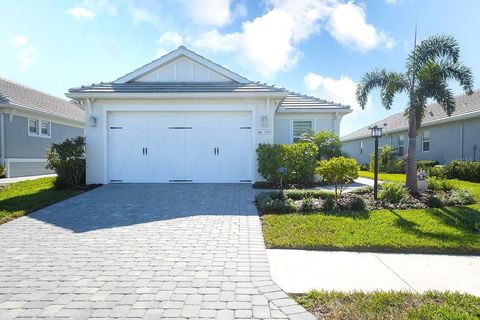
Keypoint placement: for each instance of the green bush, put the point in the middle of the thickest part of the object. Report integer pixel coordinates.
(439, 184)
(298, 194)
(274, 202)
(426, 164)
(307, 204)
(354, 203)
(328, 143)
(392, 193)
(434, 201)
(338, 171)
(2, 171)
(463, 170)
(388, 161)
(67, 159)
(298, 158)
(459, 197)
(437, 172)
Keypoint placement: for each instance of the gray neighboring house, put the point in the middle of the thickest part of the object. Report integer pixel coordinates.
(30, 121)
(441, 138)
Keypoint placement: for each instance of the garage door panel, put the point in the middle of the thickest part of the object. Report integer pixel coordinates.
(236, 155)
(163, 162)
(200, 159)
(126, 148)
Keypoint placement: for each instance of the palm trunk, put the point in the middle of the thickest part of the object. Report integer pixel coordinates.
(411, 182)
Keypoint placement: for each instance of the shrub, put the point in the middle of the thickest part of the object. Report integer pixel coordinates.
(2, 171)
(67, 159)
(392, 193)
(463, 170)
(388, 161)
(437, 171)
(365, 167)
(307, 204)
(354, 203)
(459, 197)
(328, 143)
(296, 194)
(439, 184)
(426, 164)
(274, 202)
(298, 158)
(338, 171)
(433, 201)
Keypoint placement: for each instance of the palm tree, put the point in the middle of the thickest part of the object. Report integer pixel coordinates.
(429, 67)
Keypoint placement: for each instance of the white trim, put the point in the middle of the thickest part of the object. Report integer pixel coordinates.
(175, 95)
(39, 133)
(423, 141)
(181, 51)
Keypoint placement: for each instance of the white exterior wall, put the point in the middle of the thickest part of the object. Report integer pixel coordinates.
(321, 122)
(96, 137)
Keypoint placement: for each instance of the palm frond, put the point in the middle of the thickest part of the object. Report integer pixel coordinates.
(431, 49)
(457, 71)
(389, 83)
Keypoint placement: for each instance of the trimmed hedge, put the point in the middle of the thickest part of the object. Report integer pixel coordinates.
(426, 164)
(299, 159)
(463, 170)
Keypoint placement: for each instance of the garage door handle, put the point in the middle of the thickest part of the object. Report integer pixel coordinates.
(146, 151)
(143, 151)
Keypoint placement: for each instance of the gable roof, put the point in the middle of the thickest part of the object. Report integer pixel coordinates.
(296, 102)
(179, 52)
(466, 106)
(15, 94)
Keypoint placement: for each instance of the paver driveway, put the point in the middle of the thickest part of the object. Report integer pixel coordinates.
(142, 251)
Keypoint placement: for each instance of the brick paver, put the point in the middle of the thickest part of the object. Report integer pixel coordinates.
(151, 251)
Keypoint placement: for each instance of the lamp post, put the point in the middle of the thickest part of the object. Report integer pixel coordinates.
(376, 133)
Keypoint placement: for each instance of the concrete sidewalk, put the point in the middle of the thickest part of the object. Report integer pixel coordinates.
(297, 271)
(7, 181)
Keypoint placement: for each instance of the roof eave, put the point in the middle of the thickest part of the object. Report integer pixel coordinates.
(42, 112)
(173, 95)
(315, 110)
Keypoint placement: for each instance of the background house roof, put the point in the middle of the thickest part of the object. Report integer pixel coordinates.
(12, 93)
(296, 102)
(464, 105)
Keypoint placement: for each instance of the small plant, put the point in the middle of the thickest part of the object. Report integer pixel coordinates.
(354, 203)
(434, 201)
(328, 143)
(439, 184)
(338, 171)
(426, 164)
(388, 161)
(2, 171)
(392, 193)
(459, 197)
(422, 175)
(437, 172)
(67, 159)
(307, 205)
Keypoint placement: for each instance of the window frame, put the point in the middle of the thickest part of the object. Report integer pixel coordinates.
(292, 128)
(401, 145)
(361, 146)
(40, 123)
(427, 141)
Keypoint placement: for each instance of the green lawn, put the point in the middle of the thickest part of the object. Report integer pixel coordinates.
(21, 198)
(393, 177)
(440, 230)
(390, 305)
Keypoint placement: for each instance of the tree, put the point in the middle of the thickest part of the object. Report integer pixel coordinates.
(328, 143)
(338, 171)
(429, 67)
(67, 159)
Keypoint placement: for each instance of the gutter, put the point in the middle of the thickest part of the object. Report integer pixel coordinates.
(41, 111)
(171, 95)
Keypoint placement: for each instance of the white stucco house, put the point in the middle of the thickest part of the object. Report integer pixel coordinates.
(184, 118)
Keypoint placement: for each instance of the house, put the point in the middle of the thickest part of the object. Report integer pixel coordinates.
(30, 121)
(184, 118)
(441, 138)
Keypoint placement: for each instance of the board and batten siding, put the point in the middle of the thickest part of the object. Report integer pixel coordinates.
(321, 122)
(448, 141)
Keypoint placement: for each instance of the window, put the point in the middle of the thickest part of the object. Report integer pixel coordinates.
(33, 126)
(299, 127)
(39, 128)
(361, 147)
(401, 145)
(425, 141)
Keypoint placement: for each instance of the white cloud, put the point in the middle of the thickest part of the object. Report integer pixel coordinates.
(392, 2)
(209, 12)
(28, 52)
(270, 43)
(349, 26)
(79, 12)
(168, 41)
(19, 41)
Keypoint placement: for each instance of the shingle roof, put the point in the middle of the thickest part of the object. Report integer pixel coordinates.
(464, 105)
(17, 94)
(176, 87)
(298, 102)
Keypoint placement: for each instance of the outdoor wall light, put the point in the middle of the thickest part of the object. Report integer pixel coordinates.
(93, 121)
(264, 121)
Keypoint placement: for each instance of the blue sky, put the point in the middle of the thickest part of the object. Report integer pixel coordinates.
(318, 47)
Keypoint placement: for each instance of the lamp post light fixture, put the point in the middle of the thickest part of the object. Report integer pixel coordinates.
(376, 133)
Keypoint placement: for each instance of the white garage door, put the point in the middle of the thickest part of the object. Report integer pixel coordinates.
(180, 147)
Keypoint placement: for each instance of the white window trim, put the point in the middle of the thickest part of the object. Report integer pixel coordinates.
(39, 133)
(402, 146)
(291, 127)
(361, 146)
(423, 137)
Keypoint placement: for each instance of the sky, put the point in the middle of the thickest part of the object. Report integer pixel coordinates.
(314, 47)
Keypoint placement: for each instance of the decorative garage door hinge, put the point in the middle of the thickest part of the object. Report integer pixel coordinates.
(115, 127)
(245, 127)
(245, 180)
(179, 128)
(180, 180)
(116, 180)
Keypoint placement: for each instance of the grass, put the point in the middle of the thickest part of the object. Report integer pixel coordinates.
(393, 177)
(440, 230)
(390, 305)
(21, 198)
